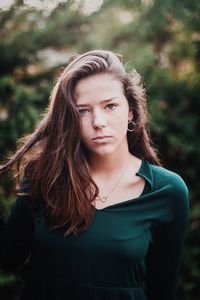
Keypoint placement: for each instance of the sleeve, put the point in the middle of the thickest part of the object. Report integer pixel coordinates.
(164, 255)
(16, 234)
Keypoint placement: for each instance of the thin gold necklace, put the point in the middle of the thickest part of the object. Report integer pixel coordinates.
(105, 198)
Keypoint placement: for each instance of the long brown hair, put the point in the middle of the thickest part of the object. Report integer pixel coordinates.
(53, 159)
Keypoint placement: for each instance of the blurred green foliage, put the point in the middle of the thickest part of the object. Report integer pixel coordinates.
(161, 39)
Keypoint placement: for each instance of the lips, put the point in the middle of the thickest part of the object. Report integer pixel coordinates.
(101, 137)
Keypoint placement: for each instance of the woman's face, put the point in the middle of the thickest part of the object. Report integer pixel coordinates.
(104, 114)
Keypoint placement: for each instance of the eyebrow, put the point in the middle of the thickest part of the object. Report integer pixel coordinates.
(102, 102)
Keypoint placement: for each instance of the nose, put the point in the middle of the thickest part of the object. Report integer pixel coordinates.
(98, 120)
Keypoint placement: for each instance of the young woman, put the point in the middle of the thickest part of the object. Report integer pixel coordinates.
(97, 215)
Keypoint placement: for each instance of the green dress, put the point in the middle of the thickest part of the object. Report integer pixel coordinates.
(131, 251)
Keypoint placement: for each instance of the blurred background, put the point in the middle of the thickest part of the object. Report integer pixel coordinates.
(161, 39)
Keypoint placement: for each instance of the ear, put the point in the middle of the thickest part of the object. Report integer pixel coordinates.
(130, 115)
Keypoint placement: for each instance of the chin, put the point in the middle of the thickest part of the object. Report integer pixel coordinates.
(103, 152)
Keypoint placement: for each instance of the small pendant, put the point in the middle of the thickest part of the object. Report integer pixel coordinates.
(102, 199)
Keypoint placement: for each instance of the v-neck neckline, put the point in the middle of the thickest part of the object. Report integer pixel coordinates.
(145, 172)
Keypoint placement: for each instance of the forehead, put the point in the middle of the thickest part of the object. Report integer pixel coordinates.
(98, 87)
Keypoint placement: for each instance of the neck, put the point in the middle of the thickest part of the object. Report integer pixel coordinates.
(109, 163)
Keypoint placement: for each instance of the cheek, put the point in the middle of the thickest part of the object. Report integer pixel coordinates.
(121, 122)
(84, 129)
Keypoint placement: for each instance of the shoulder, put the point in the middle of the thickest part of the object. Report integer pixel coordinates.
(171, 187)
(26, 202)
(165, 178)
(24, 198)
(173, 190)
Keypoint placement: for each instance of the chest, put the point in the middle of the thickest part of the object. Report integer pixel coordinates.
(113, 238)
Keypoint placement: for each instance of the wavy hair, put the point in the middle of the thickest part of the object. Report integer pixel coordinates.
(53, 159)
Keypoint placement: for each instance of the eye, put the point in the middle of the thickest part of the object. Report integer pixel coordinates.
(83, 111)
(111, 106)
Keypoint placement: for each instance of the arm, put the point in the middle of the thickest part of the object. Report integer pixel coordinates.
(17, 234)
(163, 260)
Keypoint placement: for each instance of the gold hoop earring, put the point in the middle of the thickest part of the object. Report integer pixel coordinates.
(131, 126)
